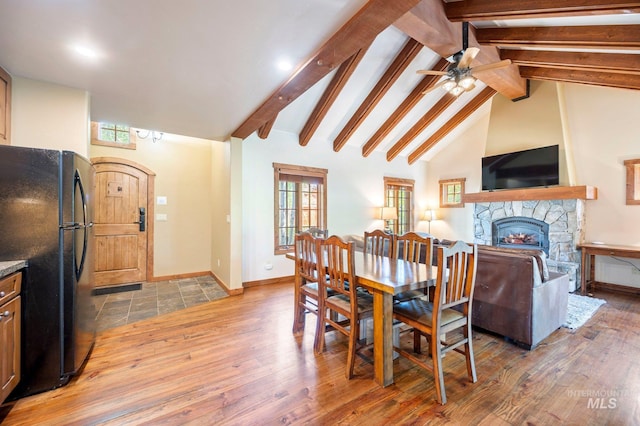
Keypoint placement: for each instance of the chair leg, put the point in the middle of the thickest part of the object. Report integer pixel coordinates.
(438, 374)
(468, 353)
(298, 310)
(417, 341)
(318, 343)
(353, 340)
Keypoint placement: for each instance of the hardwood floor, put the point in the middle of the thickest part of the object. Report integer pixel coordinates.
(235, 361)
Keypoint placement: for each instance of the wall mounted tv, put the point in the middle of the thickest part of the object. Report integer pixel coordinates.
(521, 169)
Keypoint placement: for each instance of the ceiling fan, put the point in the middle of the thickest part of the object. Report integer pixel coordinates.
(461, 77)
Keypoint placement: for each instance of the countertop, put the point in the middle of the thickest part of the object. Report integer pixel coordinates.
(11, 266)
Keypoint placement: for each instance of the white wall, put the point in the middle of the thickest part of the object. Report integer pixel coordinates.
(45, 115)
(355, 189)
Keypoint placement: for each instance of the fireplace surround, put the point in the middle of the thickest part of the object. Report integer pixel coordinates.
(563, 221)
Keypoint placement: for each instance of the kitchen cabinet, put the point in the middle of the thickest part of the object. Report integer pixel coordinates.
(5, 107)
(10, 314)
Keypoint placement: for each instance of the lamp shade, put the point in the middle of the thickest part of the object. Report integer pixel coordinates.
(388, 213)
(429, 215)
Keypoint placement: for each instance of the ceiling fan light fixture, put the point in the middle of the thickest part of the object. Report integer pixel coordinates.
(449, 85)
(457, 91)
(467, 82)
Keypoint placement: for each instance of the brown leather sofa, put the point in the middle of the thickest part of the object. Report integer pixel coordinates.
(516, 296)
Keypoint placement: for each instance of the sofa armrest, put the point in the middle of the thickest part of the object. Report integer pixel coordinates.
(549, 306)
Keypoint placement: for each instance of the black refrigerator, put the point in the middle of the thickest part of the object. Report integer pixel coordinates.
(46, 218)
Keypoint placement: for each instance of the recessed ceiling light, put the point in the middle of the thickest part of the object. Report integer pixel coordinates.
(284, 65)
(86, 52)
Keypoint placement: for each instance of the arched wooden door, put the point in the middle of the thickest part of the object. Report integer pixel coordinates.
(123, 222)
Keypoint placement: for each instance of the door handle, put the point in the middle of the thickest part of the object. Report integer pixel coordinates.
(142, 221)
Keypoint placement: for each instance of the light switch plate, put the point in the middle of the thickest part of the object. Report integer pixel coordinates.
(162, 201)
(161, 217)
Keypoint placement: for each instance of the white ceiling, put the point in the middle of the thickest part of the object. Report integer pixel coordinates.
(201, 67)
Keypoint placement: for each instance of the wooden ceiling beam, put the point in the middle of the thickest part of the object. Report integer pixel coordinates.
(593, 37)
(329, 96)
(265, 129)
(397, 67)
(405, 107)
(482, 10)
(486, 94)
(623, 81)
(428, 23)
(425, 121)
(374, 17)
(586, 61)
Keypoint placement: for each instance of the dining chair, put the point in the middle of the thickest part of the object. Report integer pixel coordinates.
(379, 242)
(449, 311)
(306, 279)
(414, 248)
(337, 259)
(317, 232)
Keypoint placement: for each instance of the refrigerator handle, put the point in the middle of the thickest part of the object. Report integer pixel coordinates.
(80, 187)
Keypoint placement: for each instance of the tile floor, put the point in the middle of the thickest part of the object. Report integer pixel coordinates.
(153, 299)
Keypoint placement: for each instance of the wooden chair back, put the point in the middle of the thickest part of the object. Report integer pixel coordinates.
(338, 262)
(305, 253)
(410, 246)
(379, 243)
(456, 278)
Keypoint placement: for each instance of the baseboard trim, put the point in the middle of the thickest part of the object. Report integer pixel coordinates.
(270, 281)
(225, 287)
(617, 288)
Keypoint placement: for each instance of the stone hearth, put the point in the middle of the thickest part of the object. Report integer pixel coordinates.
(566, 223)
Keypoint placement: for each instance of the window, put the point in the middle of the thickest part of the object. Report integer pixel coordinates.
(399, 194)
(300, 202)
(114, 135)
(451, 191)
(633, 181)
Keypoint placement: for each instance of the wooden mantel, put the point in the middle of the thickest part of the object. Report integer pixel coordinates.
(553, 193)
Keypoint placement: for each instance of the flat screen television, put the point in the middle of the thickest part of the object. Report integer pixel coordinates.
(521, 169)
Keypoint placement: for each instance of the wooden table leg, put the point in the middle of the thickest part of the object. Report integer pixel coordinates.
(383, 338)
(583, 272)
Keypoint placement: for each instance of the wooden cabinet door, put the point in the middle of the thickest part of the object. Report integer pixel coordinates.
(9, 346)
(120, 242)
(5, 107)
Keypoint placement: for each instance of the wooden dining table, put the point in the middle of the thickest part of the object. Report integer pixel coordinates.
(385, 277)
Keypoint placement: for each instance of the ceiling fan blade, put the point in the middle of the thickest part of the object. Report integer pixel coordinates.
(431, 72)
(492, 66)
(435, 86)
(468, 56)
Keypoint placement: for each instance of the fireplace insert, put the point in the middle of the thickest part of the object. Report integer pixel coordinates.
(520, 232)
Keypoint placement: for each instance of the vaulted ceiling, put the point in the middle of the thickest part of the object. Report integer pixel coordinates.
(586, 42)
(204, 68)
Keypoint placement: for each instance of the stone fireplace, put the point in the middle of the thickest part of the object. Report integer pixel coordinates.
(555, 226)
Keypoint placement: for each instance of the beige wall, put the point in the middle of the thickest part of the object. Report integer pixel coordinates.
(45, 115)
(183, 167)
(534, 122)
